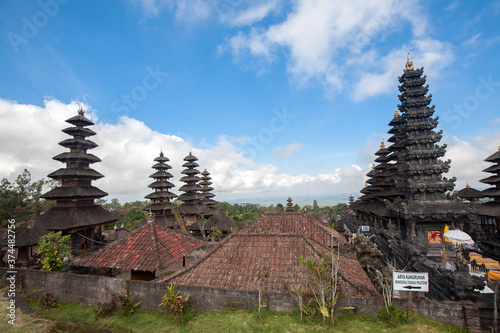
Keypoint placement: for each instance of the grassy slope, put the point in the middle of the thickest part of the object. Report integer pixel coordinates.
(234, 321)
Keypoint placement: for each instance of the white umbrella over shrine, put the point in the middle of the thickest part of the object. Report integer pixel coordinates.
(458, 236)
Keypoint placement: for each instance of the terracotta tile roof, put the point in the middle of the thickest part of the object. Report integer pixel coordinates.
(239, 260)
(296, 223)
(148, 248)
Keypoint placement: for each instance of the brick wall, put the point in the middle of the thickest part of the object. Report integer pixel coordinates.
(90, 290)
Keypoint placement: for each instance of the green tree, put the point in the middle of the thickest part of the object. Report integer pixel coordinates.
(115, 203)
(296, 208)
(21, 199)
(101, 202)
(315, 207)
(132, 217)
(52, 249)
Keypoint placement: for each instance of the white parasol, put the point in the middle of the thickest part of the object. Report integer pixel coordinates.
(457, 236)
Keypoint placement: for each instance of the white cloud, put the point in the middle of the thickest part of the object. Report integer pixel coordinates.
(152, 8)
(127, 149)
(257, 11)
(284, 152)
(472, 41)
(429, 53)
(323, 40)
(192, 10)
(453, 5)
(468, 158)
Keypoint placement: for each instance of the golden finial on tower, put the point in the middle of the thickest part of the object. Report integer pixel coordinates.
(81, 111)
(409, 63)
(396, 113)
(382, 144)
(467, 185)
(373, 166)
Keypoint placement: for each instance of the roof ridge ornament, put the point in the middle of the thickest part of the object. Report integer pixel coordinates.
(81, 111)
(409, 63)
(382, 144)
(150, 217)
(396, 113)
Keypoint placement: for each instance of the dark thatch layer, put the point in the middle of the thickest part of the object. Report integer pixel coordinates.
(74, 193)
(68, 218)
(77, 173)
(491, 208)
(470, 193)
(26, 237)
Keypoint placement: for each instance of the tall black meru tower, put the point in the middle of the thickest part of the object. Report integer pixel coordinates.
(161, 196)
(426, 207)
(76, 213)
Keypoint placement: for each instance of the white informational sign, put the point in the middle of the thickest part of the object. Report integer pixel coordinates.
(365, 228)
(410, 281)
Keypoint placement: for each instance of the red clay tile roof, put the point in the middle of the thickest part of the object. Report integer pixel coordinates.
(239, 260)
(148, 248)
(296, 223)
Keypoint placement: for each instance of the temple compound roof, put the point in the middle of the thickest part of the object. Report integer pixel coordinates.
(274, 243)
(150, 248)
(218, 220)
(469, 193)
(27, 234)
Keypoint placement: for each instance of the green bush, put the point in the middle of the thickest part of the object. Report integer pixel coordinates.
(127, 305)
(106, 309)
(395, 315)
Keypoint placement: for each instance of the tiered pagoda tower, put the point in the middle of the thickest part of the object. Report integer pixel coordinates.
(75, 212)
(422, 169)
(206, 190)
(426, 208)
(161, 194)
(394, 163)
(489, 212)
(191, 208)
(289, 205)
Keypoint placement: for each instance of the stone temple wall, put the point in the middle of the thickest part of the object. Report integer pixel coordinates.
(91, 290)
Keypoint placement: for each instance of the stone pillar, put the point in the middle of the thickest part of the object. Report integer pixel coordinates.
(77, 244)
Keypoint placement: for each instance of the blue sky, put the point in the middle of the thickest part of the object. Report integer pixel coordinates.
(275, 98)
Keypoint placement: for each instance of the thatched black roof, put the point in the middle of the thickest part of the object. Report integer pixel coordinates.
(26, 237)
(75, 172)
(469, 193)
(78, 131)
(491, 192)
(78, 143)
(492, 180)
(81, 192)
(495, 168)
(191, 209)
(161, 195)
(218, 220)
(494, 158)
(77, 157)
(80, 120)
(491, 208)
(69, 218)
